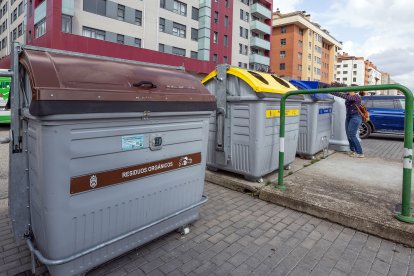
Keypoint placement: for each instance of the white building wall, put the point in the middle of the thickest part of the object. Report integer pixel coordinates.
(237, 58)
(148, 32)
(7, 35)
(350, 72)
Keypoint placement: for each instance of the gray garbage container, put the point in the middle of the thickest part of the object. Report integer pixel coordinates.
(115, 151)
(244, 132)
(315, 127)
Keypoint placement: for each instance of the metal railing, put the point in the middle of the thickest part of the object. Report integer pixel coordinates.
(405, 214)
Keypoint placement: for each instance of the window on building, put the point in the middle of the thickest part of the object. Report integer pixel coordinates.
(283, 30)
(240, 65)
(300, 43)
(240, 49)
(20, 30)
(344, 72)
(354, 72)
(138, 17)
(194, 55)
(225, 59)
(66, 24)
(300, 31)
(283, 41)
(20, 9)
(215, 58)
(178, 51)
(95, 6)
(162, 24)
(162, 4)
(309, 57)
(121, 12)
(246, 50)
(300, 56)
(161, 48)
(345, 65)
(93, 33)
(14, 15)
(300, 67)
(194, 34)
(120, 39)
(194, 13)
(338, 66)
(244, 15)
(282, 54)
(40, 28)
(216, 17)
(138, 42)
(14, 36)
(344, 79)
(215, 37)
(226, 41)
(179, 30)
(226, 21)
(180, 8)
(355, 66)
(4, 43)
(338, 72)
(354, 79)
(282, 66)
(227, 3)
(244, 32)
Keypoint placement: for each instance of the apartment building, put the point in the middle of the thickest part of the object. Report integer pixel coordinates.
(196, 34)
(12, 24)
(251, 34)
(302, 49)
(357, 70)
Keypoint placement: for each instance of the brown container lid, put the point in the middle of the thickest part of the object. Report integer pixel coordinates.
(72, 84)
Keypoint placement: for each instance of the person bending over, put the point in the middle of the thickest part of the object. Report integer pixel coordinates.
(352, 122)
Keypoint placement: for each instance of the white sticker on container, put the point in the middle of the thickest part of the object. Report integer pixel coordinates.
(282, 144)
(407, 163)
(132, 142)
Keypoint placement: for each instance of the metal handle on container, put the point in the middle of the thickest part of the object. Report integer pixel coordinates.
(47, 261)
(144, 83)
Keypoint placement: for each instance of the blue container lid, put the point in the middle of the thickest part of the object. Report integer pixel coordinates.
(309, 85)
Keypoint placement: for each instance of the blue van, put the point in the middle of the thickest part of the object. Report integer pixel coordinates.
(386, 115)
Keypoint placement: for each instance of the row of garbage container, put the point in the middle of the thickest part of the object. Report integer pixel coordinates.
(244, 132)
(107, 154)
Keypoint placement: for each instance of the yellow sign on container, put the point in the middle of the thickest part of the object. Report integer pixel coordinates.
(271, 113)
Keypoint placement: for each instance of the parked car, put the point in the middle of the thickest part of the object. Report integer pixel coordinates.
(386, 115)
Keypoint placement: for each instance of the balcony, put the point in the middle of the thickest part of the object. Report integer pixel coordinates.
(40, 12)
(256, 58)
(256, 25)
(260, 11)
(68, 7)
(257, 42)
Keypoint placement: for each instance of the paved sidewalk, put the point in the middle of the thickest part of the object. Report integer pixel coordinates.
(388, 147)
(241, 235)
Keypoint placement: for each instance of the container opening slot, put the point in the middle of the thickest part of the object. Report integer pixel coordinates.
(259, 77)
(281, 81)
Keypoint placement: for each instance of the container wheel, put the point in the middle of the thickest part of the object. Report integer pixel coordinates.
(365, 130)
(184, 230)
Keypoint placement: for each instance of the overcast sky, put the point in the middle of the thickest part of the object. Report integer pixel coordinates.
(379, 30)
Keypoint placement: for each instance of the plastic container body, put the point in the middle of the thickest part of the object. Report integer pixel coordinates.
(247, 140)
